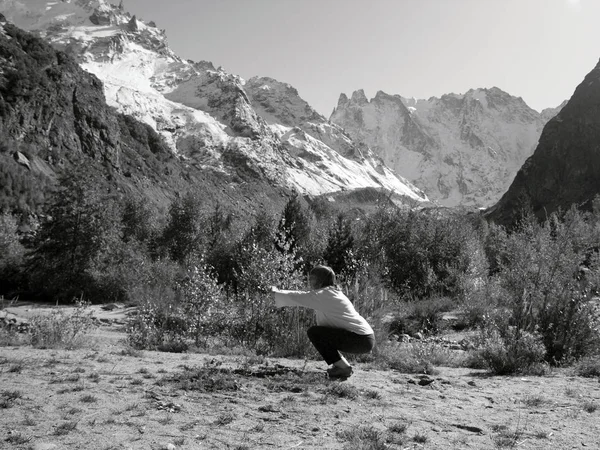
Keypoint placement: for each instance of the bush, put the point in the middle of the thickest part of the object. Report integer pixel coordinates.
(12, 254)
(589, 367)
(182, 235)
(420, 254)
(203, 304)
(255, 322)
(416, 357)
(60, 329)
(339, 252)
(507, 351)
(158, 327)
(544, 292)
(479, 303)
(159, 322)
(424, 316)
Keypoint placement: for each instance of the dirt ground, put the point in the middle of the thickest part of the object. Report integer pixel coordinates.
(104, 396)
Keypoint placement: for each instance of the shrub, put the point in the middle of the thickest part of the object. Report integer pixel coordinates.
(11, 254)
(589, 367)
(424, 254)
(182, 235)
(138, 220)
(118, 272)
(479, 303)
(157, 282)
(415, 357)
(203, 304)
(255, 322)
(506, 350)
(10, 338)
(157, 326)
(294, 225)
(424, 316)
(60, 329)
(544, 294)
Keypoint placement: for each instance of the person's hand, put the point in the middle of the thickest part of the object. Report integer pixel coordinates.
(273, 291)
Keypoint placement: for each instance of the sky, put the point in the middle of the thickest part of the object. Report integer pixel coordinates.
(539, 50)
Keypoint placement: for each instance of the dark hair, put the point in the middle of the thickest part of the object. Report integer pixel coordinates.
(324, 275)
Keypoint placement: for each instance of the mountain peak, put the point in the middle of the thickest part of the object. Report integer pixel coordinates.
(258, 129)
(460, 148)
(272, 83)
(342, 100)
(383, 96)
(359, 97)
(279, 102)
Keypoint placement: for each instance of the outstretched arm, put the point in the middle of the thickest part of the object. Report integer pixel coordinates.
(306, 299)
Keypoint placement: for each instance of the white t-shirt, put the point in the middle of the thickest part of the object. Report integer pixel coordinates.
(333, 308)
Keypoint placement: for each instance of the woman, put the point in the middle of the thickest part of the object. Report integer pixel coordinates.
(339, 327)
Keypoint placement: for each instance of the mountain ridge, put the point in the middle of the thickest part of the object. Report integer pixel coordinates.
(462, 149)
(204, 114)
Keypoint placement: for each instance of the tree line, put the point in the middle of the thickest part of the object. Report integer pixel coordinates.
(199, 273)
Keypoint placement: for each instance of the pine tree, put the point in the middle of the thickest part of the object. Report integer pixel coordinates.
(340, 245)
(182, 235)
(294, 225)
(137, 220)
(11, 253)
(79, 226)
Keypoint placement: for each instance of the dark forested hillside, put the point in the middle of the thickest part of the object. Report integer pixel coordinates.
(53, 117)
(564, 170)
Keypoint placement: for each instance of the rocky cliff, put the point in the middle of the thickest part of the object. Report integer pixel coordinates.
(564, 170)
(208, 117)
(460, 149)
(54, 116)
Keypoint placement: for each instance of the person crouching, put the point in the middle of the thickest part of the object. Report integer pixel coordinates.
(340, 328)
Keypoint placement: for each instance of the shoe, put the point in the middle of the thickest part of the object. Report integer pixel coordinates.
(339, 372)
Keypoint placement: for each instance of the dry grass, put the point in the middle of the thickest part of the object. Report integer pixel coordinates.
(202, 400)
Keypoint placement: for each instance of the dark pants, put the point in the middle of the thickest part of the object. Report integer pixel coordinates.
(329, 342)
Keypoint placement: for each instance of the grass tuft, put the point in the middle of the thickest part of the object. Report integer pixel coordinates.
(16, 368)
(342, 390)
(88, 398)
(17, 438)
(398, 428)
(590, 407)
(8, 398)
(372, 394)
(94, 377)
(225, 419)
(420, 438)
(367, 438)
(65, 428)
(533, 401)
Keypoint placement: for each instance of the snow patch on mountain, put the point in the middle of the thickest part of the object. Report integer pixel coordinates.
(208, 117)
(462, 149)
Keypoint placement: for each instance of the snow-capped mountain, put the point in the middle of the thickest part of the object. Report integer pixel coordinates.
(210, 117)
(460, 149)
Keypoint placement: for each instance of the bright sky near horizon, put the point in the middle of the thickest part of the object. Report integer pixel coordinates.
(539, 50)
